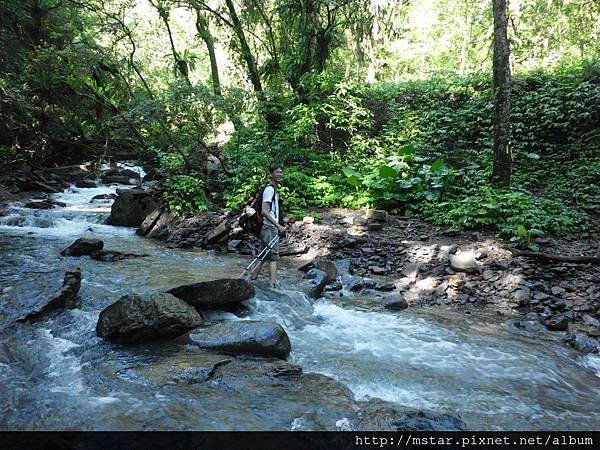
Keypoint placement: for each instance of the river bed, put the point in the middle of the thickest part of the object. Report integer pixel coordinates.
(57, 375)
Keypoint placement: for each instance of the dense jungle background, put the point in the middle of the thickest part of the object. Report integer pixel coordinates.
(386, 104)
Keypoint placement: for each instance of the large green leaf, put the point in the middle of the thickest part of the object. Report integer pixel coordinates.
(437, 165)
(387, 172)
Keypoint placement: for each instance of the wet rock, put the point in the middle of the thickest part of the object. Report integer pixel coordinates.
(45, 204)
(315, 282)
(344, 266)
(103, 197)
(395, 302)
(376, 270)
(290, 398)
(116, 170)
(581, 343)
(531, 326)
(131, 207)
(327, 266)
(117, 179)
(36, 302)
(162, 227)
(149, 222)
(557, 323)
(380, 415)
(233, 245)
(385, 287)
(137, 318)
(464, 262)
(215, 293)
(245, 337)
(85, 184)
(592, 321)
(83, 246)
(112, 256)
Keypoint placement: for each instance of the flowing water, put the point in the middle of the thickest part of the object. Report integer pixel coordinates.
(57, 375)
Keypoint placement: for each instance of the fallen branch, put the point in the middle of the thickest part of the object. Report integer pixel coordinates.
(550, 257)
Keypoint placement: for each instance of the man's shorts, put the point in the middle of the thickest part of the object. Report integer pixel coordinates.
(267, 233)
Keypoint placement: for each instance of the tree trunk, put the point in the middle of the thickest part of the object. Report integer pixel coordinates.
(502, 169)
(247, 55)
(204, 33)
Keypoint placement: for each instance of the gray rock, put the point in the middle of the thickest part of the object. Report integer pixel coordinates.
(215, 293)
(557, 323)
(112, 256)
(219, 234)
(589, 320)
(103, 197)
(162, 227)
(360, 221)
(557, 290)
(378, 215)
(464, 262)
(380, 415)
(149, 222)
(327, 266)
(488, 274)
(85, 184)
(395, 302)
(344, 266)
(582, 343)
(245, 337)
(83, 246)
(137, 318)
(30, 302)
(522, 296)
(481, 252)
(411, 270)
(45, 204)
(315, 282)
(131, 207)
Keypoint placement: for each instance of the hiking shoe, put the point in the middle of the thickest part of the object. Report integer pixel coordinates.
(276, 285)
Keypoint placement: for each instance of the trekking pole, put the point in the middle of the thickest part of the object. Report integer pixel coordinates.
(260, 257)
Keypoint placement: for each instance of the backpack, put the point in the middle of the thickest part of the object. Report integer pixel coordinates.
(252, 221)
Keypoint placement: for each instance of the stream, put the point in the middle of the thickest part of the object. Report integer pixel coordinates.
(56, 374)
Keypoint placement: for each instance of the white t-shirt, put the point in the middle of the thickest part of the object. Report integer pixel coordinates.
(271, 196)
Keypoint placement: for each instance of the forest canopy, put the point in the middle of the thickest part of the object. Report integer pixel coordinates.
(382, 103)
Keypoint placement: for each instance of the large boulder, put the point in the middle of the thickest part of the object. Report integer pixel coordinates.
(245, 337)
(139, 318)
(131, 207)
(215, 294)
(36, 298)
(83, 246)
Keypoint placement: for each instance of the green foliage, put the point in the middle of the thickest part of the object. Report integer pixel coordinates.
(185, 193)
(515, 213)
